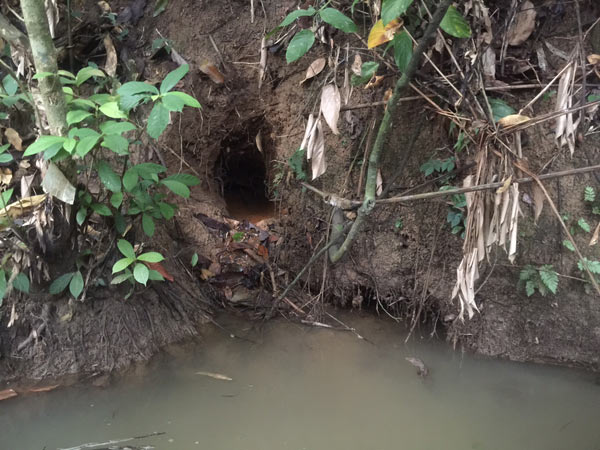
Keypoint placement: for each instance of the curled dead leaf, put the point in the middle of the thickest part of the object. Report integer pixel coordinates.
(209, 69)
(379, 183)
(319, 165)
(205, 274)
(13, 137)
(331, 102)
(6, 176)
(538, 202)
(374, 82)
(111, 56)
(104, 6)
(22, 206)
(381, 34)
(513, 120)
(160, 269)
(357, 65)
(315, 68)
(593, 58)
(523, 25)
(504, 186)
(595, 236)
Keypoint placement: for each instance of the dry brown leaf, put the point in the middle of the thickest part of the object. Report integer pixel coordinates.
(258, 140)
(594, 239)
(374, 82)
(489, 63)
(7, 393)
(379, 183)
(262, 68)
(593, 59)
(565, 124)
(357, 65)
(6, 176)
(387, 95)
(310, 129)
(538, 201)
(208, 68)
(205, 274)
(104, 6)
(331, 102)
(319, 165)
(512, 120)
(110, 67)
(315, 68)
(523, 25)
(13, 137)
(22, 206)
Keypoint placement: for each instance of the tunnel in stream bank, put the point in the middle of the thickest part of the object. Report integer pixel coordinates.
(241, 172)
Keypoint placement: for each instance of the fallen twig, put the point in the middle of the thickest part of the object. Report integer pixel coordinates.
(112, 442)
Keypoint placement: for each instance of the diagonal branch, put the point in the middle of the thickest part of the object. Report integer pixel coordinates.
(384, 130)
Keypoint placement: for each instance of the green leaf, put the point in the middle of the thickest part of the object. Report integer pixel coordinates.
(392, 9)
(82, 103)
(593, 266)
(76, 284)
(116, 143)
(455, 24)
(81, 216)
(10, 85)
(159, 7)
(173, 78)
(5, 157)
(158, 120)
(148, 171)
(130, 180)
(114, 127)
(121, 278)
(86, 144)
(173, 103)
(367, 70)
(299, 45)
(21, 283)
(40, 75)
(61, 283)
(122, 264)
(177, 187)
(338, 20)
(527, 273)
(126, 248)
(5, 197)
(140, 273)
(187, 179)
(155, 276)
(589, 194)
(238, 236)
(530, 288)
(291, 17)
(147, 225)
(101, 209)
(403, 50)
(77, 116)
(111, 109)
(166, 210)
(584, 225)
(86, 73)
(69, 145)
(116, 199)
(194, 259)
(111, 180)
(188, 100)
(568, 244)
(43, 143)
(500, 108)
(296, 163)
(136, 88)
(151, 257)
(549, 277)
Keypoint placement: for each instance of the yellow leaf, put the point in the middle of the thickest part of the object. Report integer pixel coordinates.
(505, 186)
(22, 206)
(381, 34)
(512, 120)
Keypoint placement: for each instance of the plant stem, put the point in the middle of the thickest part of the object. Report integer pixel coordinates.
(385, 128)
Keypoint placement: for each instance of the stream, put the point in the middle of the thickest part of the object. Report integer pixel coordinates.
(306, 388)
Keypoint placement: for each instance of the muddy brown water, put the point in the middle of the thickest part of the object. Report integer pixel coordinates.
(297, 387)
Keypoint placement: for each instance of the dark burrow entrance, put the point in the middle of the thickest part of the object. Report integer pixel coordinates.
(241, 173)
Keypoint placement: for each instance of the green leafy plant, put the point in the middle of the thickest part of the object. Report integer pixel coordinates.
(140, 273)
(296, 163)
(592, 200)
(438, 166)
(543, 279)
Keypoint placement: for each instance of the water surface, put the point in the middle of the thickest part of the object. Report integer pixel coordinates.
(297, 387)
